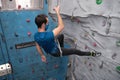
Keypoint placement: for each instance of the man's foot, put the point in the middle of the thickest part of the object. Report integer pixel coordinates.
(95, 53)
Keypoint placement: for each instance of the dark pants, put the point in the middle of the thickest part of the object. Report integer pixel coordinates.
(69, 51)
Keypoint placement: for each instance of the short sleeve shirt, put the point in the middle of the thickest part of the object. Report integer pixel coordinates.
(46, 41)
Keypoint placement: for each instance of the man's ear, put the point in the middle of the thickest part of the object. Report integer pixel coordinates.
(43, 25)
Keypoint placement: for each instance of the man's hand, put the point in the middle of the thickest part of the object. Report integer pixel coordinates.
(57, 9)
(43, 58)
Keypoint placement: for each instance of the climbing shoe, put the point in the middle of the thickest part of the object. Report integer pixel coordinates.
(95, 53)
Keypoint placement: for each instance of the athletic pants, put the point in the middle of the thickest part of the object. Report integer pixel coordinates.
(69, 51)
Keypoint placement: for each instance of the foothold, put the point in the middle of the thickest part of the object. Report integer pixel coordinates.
(118, 43)
(86, 47)
(29, 33)
(104, 23)
(93, 34)
(56, 66)
(69, 64)
(33, 70)
(98, 2)
(101, 65)
(94, 44)
(11, 47)
(90, 64)
(16, 35)
(114, 56)
(118, 68)
(21, 60)
(26, 5)
(19, 6)
(86, 34)
(91, 69)
(28, 20)
(78, 21)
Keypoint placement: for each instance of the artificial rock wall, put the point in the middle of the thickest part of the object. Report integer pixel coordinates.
(92, 25)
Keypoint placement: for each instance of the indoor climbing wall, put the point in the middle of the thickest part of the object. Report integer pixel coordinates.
(17, 46)
(92, 25)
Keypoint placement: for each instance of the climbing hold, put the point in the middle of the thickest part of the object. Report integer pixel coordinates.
(33, 70)
(93, 34)
(11, 47)
(91, 69)
(90, 64)
(19, 6)
(86, 34)
(118, 68)
(101, 65)
(98, 2)
(118, 43)
(16, 35)
(94, 44)
(56, 66)
(20, 60)
(86, 47)
(114, 56)
(28, 20)
(29, 33)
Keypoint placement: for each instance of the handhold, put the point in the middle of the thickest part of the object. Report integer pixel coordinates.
(118, 68)
(101, 65)
(86, 47)
(93, 34)
(19, 6)
(98, 2)
(118, 43)
(114, 56)
(21, 60)
(91, 69)
(28, 20)
(94, 44)
(29, 33)
(11, 47)
(16, 35)
(56, 66)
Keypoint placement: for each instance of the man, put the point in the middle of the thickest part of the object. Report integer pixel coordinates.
(46, 40)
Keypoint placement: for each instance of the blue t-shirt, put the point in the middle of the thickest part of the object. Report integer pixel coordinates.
(46, 40)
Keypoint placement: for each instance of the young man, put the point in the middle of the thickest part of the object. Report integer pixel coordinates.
(46, 40)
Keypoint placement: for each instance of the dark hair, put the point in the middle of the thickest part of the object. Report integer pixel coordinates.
(40, 19)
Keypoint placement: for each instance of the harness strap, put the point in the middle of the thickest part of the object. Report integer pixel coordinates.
(59, 47)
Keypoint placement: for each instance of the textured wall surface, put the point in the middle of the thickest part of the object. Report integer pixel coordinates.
(17, 47)
(92, 25)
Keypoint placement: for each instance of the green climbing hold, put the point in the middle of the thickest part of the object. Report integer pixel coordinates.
(118, 43)
(118, 68)
(98, 2)
(93, 34)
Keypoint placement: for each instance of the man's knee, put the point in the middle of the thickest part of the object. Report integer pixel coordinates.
(61, 36)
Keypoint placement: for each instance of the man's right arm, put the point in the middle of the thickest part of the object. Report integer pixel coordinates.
(60, 26)
(40, 52)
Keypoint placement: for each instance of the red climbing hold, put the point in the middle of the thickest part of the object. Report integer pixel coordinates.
(28, 20)
(94, 44)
